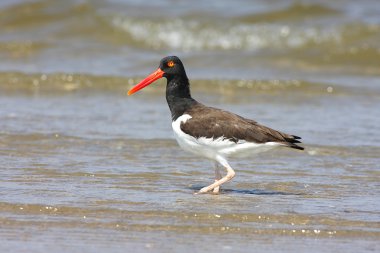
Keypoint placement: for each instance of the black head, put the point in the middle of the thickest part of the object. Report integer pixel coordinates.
(177, 88)
(172, 66)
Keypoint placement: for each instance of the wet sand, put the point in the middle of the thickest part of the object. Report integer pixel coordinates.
(86, 171)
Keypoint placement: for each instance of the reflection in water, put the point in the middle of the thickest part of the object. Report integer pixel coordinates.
(245, 191)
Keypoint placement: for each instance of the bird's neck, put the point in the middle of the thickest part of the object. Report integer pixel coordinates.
(178, 95)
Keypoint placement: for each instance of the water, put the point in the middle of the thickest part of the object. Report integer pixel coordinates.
(84, 168)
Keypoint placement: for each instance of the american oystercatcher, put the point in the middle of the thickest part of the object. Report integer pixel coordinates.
(209, 132)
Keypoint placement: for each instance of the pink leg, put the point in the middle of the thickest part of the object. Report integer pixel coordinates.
(218, 176)
(218, 183)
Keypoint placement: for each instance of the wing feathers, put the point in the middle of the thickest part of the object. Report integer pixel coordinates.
(214, 123)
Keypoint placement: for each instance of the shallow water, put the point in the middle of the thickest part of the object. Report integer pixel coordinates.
(84, 168)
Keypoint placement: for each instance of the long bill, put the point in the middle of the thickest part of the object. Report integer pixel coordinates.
(148, 80)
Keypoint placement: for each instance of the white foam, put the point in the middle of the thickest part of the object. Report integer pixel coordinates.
(195, 35)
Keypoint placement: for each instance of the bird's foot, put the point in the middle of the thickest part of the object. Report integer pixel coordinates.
(203, 190)
(216, 190)
(207, 189)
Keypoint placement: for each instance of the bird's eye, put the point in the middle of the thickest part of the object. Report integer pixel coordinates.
(171, 64)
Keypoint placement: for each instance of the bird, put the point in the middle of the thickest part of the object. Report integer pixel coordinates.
(212, 133)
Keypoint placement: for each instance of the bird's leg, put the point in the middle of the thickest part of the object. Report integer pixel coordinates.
(218, 176)
(228, 177)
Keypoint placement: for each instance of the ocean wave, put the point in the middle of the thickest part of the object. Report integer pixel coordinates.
(311, 36)
(193, 34)
(291, 27)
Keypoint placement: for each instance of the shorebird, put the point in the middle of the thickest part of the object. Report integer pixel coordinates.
(210, 132)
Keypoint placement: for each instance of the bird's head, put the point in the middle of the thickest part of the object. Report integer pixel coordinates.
(170, 67)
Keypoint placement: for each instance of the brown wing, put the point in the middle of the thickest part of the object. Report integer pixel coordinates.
(214, 123)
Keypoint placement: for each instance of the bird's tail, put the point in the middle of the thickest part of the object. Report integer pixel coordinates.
(291, 141)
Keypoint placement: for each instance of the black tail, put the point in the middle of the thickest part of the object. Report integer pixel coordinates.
(291, 142)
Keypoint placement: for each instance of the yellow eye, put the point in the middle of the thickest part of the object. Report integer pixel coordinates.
(171, 64)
